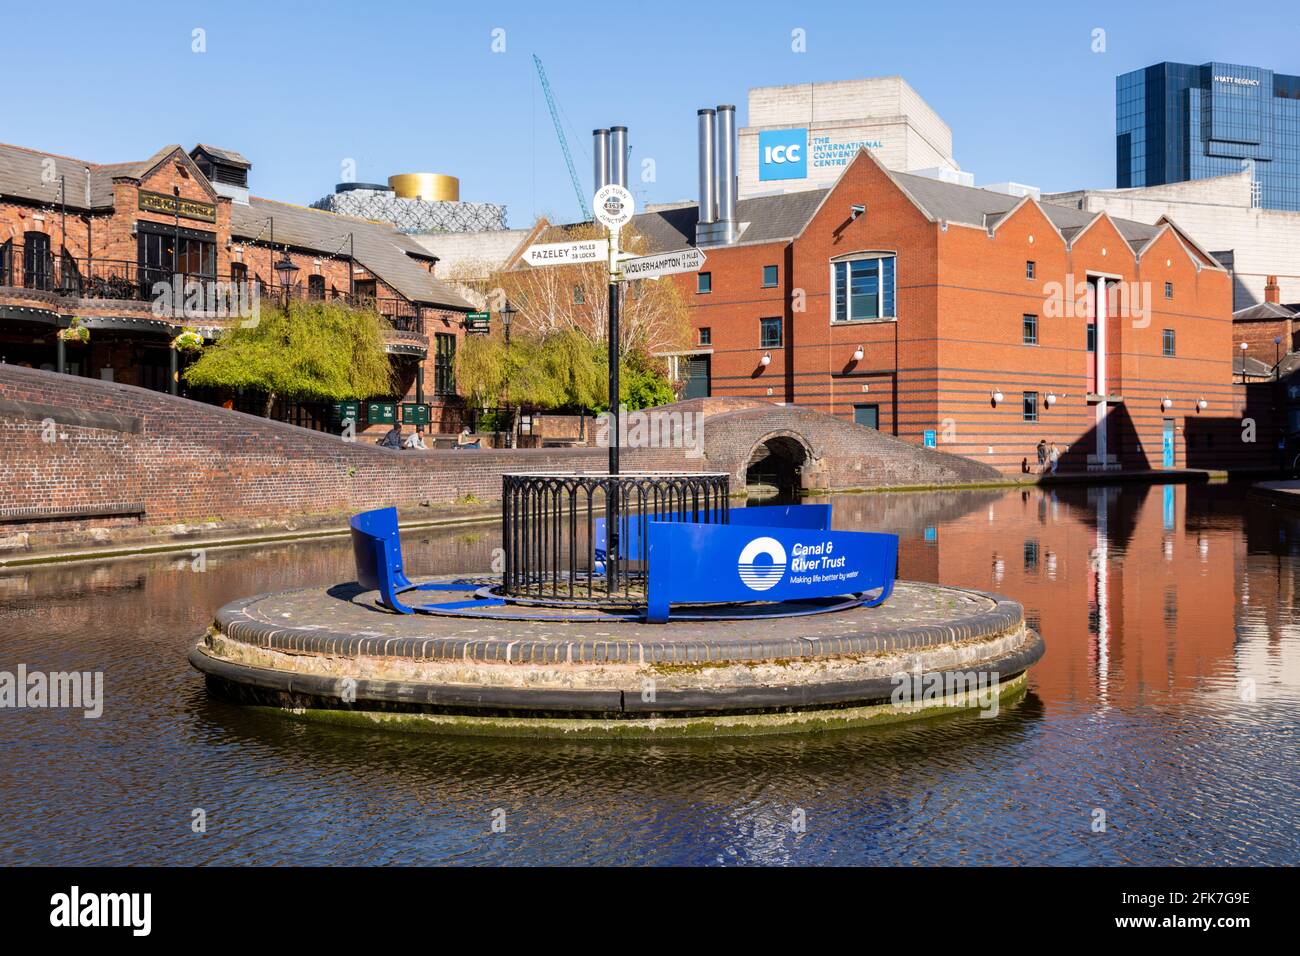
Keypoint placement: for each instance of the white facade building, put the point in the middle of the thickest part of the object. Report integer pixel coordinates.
(1219, 213)
(802, 136)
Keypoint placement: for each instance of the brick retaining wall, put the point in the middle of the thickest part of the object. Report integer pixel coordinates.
(69, 445)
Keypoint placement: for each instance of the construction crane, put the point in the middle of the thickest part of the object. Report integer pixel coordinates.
(564, 142)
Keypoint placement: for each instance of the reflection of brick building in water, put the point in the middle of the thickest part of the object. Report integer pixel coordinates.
(1135, 591)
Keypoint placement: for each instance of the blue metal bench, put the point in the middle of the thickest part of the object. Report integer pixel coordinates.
(377, 550)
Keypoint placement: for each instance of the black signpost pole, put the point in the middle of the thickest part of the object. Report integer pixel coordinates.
(613, 378)
(612, 495)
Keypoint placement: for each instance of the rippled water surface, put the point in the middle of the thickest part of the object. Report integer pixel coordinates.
(1169, 698)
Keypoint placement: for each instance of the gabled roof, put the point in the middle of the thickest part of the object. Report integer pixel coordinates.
(784, 216)
(378, 246)
(225, 155)
(1263, 312)
(766, 218)
(23, 176)
(1251, 366)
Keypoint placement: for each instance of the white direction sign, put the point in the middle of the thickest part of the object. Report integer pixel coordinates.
(663, 264)
(566, 253)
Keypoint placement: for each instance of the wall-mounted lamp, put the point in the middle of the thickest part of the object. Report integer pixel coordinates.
(996, 396)
(1202, 404)
(858, 353)
(1166, 403)
(857, 210)
(1050, 399)
(766, 359)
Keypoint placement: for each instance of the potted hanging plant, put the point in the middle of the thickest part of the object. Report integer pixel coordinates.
(188, 341)
(75, 332)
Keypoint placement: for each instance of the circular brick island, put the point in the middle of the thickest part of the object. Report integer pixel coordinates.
(335, 654)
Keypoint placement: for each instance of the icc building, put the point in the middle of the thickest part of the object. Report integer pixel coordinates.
(852, 268)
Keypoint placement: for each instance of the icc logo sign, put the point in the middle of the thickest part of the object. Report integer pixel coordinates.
(783, 154)
(761, 564)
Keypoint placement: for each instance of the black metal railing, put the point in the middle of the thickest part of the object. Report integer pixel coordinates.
(582, 537)
(125, 280)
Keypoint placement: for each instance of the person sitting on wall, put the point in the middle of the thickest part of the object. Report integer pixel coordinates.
(415, 440)
(393, 439)
(463, 440)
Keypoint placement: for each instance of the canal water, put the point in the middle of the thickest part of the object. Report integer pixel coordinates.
(1166, 708)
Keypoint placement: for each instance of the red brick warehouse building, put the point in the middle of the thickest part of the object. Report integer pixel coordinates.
(90, 242)
(942, 312)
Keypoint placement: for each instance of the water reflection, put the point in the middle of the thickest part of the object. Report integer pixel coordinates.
(1168, 697)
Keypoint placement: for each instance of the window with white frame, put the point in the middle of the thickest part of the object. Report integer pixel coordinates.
(862, 288)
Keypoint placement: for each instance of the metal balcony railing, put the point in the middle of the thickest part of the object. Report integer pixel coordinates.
(123, 280)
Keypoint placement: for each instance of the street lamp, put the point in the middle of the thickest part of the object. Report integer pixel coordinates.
(507, 316)
(1244, 346)
(286, 270)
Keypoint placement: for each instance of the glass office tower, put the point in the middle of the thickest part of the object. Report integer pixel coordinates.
(1176, 121)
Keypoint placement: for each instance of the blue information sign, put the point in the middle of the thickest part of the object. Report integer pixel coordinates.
(705, 563)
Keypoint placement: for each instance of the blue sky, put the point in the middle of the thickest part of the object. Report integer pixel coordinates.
(301, 88)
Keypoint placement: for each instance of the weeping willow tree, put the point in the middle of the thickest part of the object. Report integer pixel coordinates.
(315, 351)
(561, 369)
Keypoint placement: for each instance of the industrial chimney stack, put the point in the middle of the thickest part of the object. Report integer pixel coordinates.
(718, 180)
(600, 158)
(609, 157)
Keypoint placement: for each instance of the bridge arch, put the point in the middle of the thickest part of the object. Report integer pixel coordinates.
(777, 465)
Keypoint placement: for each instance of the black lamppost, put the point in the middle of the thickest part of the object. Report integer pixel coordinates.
(507, 316)
(287, 271)
(1277, 355)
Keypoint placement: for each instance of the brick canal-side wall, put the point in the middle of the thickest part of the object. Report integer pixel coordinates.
(138, 455)
(118, 446)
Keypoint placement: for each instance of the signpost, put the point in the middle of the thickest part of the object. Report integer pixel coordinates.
(566, 253)
(663, 264)
(478, 322)
(613, 206)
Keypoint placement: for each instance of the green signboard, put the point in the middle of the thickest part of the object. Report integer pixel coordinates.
(347, 411)
(478, 321)
(381, 413)
(414, 413)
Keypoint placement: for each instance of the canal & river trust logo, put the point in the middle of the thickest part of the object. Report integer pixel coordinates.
(762, 575)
